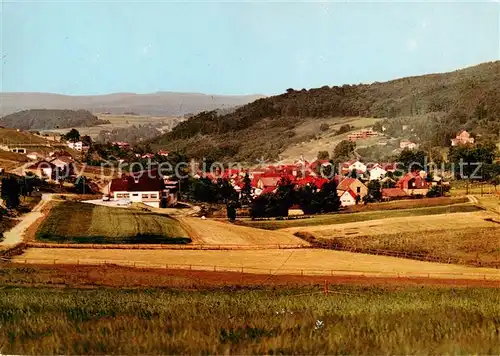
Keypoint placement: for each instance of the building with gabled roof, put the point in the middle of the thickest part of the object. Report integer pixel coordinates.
(355, 185)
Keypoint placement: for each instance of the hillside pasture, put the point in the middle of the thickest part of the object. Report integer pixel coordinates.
(74, 222)
(314, 140)
(119, 121)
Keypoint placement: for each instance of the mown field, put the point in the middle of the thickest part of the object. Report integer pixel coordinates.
(74, 222)
(352, 320)
(473, 246)
(304, 261)
(328, 219)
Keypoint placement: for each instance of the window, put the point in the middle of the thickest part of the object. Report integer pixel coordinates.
(126, 195)
(135, 194)
(145, 196)
(358, 190)
(154, 196)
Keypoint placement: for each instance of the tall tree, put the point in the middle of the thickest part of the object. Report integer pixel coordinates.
(344, 151)
(11, 191)
(72, 136)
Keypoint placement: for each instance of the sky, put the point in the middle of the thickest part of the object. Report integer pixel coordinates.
(99, 47)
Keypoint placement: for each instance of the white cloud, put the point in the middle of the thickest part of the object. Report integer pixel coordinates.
(411, 45)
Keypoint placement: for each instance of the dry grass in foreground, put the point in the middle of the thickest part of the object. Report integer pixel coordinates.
(353, 320)
(293, 261)
(114, 276)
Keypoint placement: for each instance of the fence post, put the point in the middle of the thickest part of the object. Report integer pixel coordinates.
(301, 272)
(242, 270)
(215, 268)
(190, 267)
(54, 261)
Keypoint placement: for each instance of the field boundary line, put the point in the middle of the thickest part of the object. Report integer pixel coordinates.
(166, 246)
(260, 270)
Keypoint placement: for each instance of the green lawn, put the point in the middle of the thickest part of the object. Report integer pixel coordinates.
(328, 219)
(73, 222)
(354, 320)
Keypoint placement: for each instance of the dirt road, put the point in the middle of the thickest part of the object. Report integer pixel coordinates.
(15, 235)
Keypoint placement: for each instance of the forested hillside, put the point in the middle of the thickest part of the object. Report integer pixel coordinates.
(43, 119)
(468, 98)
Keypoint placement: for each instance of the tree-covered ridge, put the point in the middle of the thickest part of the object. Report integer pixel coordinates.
(44, 119)
(464, 98)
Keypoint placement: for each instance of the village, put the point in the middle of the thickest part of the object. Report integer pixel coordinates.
(357, 182)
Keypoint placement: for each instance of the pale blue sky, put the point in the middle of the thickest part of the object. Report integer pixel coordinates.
(96, 47)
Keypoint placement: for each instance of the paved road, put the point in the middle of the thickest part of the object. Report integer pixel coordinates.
(15, 235)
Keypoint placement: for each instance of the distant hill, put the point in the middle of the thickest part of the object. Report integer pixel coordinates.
(264, 128)
(45, 119)
(155, 104)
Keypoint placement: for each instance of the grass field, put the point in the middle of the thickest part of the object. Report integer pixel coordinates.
(471, 245)
(490, 202)
(352, 320)
(209, 232)
(264, 261)
(328, 219)
(119, 121)
(73, 222)
(418, 224)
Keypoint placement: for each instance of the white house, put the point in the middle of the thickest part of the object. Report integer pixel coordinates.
(408, 145)
(138, 189)
(77, 146)
(347, 197)
(358, 166)
(377, 172)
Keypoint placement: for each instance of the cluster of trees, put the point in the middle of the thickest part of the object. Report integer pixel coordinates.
(46, 119)
(309, 198)
(475, 162)
(13, 187)
(130, 134)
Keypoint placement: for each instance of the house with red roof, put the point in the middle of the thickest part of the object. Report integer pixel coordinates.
(462, 138)
(353, 184)
(413, 183)
(347, 197)
(43, 169)
(394, 194)
(139, 187)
